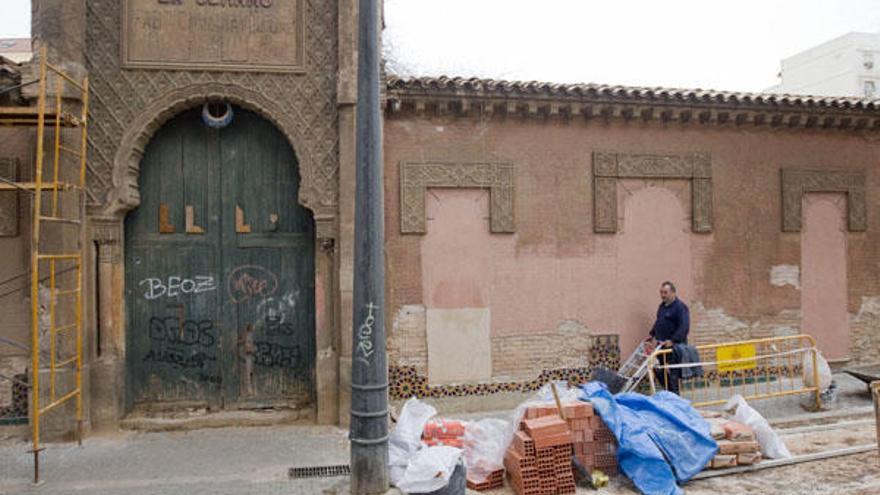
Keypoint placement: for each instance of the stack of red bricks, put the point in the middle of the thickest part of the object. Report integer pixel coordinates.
(538, 460)
(592, 442)
(494, 480)
(444, 432)
(736, 444)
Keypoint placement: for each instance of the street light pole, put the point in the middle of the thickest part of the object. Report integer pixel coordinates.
(369, 370)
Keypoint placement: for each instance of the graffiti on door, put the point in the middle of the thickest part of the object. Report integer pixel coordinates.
(250, 282)
(173, 286)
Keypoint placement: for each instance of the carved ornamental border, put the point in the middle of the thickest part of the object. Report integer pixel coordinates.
(415, 178)
(796, 182)
(608, 167)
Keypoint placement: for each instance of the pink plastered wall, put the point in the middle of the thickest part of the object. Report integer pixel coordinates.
(823, 276)
(654, 246)
(611, 290)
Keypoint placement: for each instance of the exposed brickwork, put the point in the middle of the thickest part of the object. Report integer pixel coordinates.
(407, 341)
(710, 325)
(521, 357)
(865, 332)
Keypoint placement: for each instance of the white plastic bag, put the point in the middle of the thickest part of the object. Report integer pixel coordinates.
(406, 439)
(824, 371)
(772, 446)
(429, 469)
(485, 442)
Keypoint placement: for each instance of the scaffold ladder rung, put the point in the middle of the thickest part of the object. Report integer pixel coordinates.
(70, 150)
(48, 190)
(65, 328)
(63, 256)
(61, 220)
(66, 362)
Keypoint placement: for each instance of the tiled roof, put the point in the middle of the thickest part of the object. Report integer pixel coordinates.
(451, 94)
(489, 87)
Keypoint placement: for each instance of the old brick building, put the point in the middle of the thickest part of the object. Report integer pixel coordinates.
(527, 225)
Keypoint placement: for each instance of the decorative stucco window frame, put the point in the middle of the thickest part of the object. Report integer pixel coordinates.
(796, 182)
(416, 178)
(608, 167)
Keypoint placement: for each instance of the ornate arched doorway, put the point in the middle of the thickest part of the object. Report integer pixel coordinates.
(220, 269)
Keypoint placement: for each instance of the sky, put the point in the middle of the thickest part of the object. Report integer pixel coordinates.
(732, 45)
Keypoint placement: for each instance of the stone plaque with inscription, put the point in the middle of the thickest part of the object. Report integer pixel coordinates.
(257, 35)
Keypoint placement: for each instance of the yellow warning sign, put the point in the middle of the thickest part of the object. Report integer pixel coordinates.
(736, 357)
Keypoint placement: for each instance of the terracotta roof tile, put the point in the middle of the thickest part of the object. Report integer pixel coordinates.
(461, 86)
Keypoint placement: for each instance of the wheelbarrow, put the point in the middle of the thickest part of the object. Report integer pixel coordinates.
(867, 374)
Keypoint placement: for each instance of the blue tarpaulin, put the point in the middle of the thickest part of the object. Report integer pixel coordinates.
(661, 439)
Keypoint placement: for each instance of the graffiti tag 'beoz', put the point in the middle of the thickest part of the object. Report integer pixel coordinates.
(274, 355)
(175, 286)
(183, 332)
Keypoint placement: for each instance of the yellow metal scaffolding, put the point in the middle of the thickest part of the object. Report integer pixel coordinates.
(60, 215)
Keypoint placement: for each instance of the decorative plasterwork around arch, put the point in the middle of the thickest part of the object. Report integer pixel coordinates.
(125, 194)
(415, 178)
(796, 182)
(127, 105)
(610, 166)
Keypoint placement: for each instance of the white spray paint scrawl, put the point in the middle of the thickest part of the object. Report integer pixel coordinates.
(365, 336)
(174, 286)
(277, 307)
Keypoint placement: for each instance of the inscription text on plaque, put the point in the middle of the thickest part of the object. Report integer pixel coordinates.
(257, 35)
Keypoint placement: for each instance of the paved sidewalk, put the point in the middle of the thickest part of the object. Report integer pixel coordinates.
(211, 461)
(255, 460)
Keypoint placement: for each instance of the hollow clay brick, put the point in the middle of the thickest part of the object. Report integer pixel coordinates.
(553, 440)
(723, 461)
(736, 431)
(603, 434)
(748, 458)
(716, 427)
(524, 444)
(598, 447)
(728, 447)
(545, 426)
(577, 410)
(513, 461)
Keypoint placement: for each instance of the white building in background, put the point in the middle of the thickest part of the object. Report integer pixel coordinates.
(16, 49)
(845, 66)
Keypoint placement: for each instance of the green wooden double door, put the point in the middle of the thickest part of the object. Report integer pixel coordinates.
(220, 270)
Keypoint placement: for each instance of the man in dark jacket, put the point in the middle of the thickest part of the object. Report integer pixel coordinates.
(672, 326)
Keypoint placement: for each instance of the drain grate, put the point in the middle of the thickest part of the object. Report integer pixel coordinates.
(319, 471)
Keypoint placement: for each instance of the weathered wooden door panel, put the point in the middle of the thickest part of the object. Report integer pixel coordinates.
(220, 269)
(174, 340)
(174, 348)
(268, 250)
